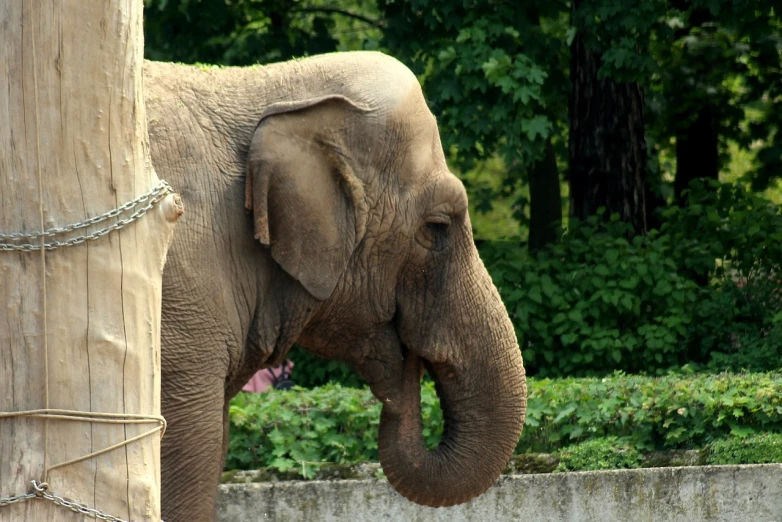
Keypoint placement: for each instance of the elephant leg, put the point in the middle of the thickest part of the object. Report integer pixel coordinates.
(192, 449)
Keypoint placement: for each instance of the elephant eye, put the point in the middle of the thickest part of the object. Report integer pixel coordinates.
(439, 222)
(438, 228)
(434, 231)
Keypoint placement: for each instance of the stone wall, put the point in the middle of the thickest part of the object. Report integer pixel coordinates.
(687, 494)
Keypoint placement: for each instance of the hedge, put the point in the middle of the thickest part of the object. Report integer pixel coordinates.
(302, 429)
(763, 448)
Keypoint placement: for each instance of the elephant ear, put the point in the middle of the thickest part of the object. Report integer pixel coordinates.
(308, 204)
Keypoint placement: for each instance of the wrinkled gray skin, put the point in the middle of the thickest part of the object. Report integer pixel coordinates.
(320, 210)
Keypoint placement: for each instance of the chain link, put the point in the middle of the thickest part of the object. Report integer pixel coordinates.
(150, 198)
(7, 501)
(41, 491)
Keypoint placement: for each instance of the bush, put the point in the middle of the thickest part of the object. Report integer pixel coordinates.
(302, 429)
(738, 328)
(731, 239)
(758, 449)
(703, 290)
(652, 413)
(601, 453)
(725, 232)
(595, 302)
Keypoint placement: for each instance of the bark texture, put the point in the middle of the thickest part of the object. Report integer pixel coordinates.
(607, 142)
(72, 122)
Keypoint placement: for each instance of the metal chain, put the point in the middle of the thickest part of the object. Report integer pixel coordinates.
(7, 501)
(150, 198)
(41, 491)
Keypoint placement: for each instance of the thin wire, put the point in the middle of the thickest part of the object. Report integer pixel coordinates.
(43, 248)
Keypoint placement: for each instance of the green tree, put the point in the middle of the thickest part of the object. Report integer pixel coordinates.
(495, 74)
(710, 70)
(246, 32)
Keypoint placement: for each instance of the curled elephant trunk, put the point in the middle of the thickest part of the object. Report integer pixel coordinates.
(483, 411)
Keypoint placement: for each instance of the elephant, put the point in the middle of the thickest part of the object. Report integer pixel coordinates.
(320, 211)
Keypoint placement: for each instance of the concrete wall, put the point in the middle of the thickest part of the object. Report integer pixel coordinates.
(691, 494)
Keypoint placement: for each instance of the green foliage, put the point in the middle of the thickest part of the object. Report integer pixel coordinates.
(622, 31)
(702, 291)
(738, 327)
(599, 453)
(302, 429)
(494, 206)
(595, 301)
(733, 239)
(725, 231)
(674, 411)
(246, 32)
(490, 54)
(748, 347)
(762, 448)
(688, 55)
(494, 73)
(616, 453)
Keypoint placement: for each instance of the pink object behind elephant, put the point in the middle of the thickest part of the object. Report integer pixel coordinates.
(264, 379)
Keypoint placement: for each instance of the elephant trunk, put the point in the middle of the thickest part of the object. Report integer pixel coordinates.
(483, 410)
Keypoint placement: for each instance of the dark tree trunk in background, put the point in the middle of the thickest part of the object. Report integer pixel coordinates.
(607, 142)
(697, 149)
(697, 153)
(545, 201)
(655, 203)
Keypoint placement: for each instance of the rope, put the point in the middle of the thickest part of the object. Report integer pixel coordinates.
(92, 416)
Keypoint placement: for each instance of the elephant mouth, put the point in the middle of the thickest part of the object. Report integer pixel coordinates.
(442, 375)
(422, 366)
(401, 396)
(415, 369)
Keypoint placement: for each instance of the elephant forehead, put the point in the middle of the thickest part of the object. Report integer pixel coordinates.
(420, 147)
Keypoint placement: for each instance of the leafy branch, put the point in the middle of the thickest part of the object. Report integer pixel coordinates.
(342, 12)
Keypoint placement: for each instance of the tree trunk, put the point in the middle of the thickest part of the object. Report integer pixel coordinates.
(697, 145)
(79, 325)
(697, 141)
(545, 201)
(697, 152)
(607, 142)
(655, 203)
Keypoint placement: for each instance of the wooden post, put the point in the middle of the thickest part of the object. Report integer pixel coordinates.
(73, 145)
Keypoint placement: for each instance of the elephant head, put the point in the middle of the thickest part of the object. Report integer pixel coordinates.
(355, 201)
